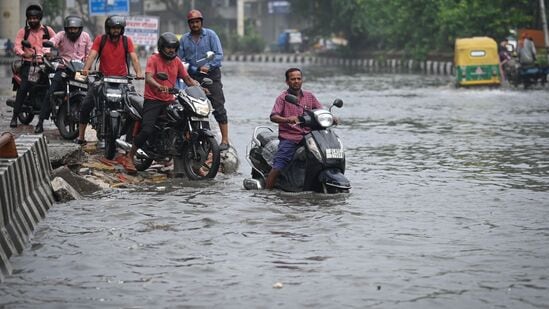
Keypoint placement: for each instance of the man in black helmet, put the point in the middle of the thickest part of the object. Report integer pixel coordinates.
(73, 44)
(35, 33)
(112, 49)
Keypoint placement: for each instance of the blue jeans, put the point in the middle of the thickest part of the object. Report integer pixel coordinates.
(284, 154)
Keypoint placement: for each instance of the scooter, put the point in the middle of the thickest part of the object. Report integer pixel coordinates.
(318, 165)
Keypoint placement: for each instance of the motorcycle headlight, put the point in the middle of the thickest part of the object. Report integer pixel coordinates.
(201, 108)
(313, 148)
(324, 118)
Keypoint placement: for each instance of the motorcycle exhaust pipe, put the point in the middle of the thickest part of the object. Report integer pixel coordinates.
(127, 146)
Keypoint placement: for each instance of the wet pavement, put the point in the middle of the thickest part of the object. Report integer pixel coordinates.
(449, 208)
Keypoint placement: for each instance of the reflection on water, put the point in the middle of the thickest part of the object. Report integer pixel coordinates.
(448, 209)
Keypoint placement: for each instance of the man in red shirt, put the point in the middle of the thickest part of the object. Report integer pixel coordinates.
(112, 62)
(286, 115)
(156, 91)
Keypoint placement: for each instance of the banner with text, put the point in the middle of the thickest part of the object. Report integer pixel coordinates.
(142, 29)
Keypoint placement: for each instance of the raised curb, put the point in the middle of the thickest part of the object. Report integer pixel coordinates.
(25, 183)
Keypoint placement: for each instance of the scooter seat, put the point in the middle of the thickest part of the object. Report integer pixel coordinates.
(265, 137)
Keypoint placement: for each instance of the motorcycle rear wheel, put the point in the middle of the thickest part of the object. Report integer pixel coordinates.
(201, 158)
(67, 120)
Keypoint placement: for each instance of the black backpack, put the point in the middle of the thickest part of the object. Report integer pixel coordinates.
(44, 28)
(124, 41)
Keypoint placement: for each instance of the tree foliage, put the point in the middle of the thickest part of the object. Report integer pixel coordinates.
(415, 27)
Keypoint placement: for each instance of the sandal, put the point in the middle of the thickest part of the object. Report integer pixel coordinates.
(223, 146)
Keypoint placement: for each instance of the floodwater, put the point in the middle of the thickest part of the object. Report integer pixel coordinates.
(449, 209)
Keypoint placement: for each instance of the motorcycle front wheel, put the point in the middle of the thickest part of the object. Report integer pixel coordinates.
(26, 115)
(110, 141)
(68, 118)
(201, 158)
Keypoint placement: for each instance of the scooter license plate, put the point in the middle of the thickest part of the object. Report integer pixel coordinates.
(334, 153)
(34, 74)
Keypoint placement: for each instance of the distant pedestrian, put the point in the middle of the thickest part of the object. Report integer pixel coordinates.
(8, 45)
(527, 51)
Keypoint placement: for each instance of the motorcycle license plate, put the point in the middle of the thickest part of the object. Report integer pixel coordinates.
(34, 74)
(78, 84)
(334, 153)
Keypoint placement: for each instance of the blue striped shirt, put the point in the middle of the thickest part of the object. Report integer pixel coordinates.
(191, 51)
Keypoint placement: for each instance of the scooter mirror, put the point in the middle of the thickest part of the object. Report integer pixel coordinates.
(26, 44)
(206, 81)
(210, 55)
(161, 76)
(47, 44)
(338, 103)
(290, 98)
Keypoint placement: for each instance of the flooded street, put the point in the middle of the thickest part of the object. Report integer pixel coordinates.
(449, 208)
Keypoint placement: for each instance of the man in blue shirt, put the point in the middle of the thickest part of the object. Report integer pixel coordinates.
(193, 47)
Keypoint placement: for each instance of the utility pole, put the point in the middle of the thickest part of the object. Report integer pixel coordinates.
(544, 21)
(240, 17)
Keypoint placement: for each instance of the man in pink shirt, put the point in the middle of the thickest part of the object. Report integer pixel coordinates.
(286, 115)
(73, 44)
(35, 33)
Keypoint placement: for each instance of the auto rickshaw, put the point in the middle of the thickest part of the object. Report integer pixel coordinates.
(477, 62)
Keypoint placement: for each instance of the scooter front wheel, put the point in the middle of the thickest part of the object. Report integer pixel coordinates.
(201, 158)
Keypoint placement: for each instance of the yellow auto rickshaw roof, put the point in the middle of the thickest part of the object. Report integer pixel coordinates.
(466, 48)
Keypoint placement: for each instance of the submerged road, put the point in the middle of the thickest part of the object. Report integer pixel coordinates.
(449, 208)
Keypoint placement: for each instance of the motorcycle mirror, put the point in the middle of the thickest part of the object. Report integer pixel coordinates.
(210, 55)
(207, 81)
(290, 98)
(338, 103)
(162, 75)
(47, 44)
(26, 44)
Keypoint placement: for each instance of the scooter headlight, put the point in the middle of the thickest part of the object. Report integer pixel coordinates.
(313, 148)
(324, 118)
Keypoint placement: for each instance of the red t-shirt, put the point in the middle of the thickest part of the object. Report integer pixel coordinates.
(113, 56)
(174, 68)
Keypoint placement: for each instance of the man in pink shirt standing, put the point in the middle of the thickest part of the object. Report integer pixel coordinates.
(286, 115)
(73, 44)
(35, 33)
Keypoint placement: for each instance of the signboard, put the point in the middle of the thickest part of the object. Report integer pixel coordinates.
(278, 7)
(109, 7)
(142, 29)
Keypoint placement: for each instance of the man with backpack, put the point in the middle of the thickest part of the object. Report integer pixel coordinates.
(112, 50)
(35, 33)
(72, 44)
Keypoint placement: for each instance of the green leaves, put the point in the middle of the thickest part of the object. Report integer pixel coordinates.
(416, 27)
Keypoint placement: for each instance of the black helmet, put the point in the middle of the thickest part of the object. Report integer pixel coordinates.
(114, 21)
(34, 10)
(73, 22)
(168, 39)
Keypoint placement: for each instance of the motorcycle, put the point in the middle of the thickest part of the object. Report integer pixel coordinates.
(183, 135)
(318, 165)
(65, 103)
(527, 75)
(117, 100)
(38, 76)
